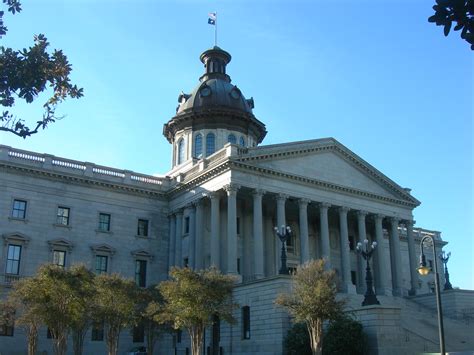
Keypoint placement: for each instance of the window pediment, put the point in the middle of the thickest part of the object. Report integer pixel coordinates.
(142, 254)
(16, 238)
(102, 248)
(60, 243)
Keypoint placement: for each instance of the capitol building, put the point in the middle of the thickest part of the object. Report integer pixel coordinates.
(218, 205)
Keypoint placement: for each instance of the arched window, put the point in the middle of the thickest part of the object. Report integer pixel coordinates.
(180, 151)
(232, 139)
(198, 146)
(242, 141)
(210, 144)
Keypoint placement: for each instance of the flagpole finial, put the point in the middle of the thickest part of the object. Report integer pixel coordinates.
(212, 20)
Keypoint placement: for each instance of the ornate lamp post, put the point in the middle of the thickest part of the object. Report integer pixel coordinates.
(424, 270)
(369, 297)
(444, 259)
(284, 233)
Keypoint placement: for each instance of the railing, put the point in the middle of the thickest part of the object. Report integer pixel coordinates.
(8, 279)
(54, 163)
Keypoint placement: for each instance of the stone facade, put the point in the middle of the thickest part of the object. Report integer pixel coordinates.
(218, 209)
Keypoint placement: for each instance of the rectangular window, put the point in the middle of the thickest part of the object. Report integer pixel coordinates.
(13, 259)
(140, 273)
(142, 229)
(351, 242)
(353, 277)
(186, 225)
(430, 264)
(104, 222)
(62, 217)
(19, 209)
(97, 333)
(185, 262)
(178, 335)
(101, 264)
(138, 334)
(59, 258)
(238, 225)
(6, 330)
(238, 266)
(246, 322)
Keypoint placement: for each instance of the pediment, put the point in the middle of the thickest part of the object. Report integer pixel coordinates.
(60, 243)
(16, 237)
(142, 254)
(102, 248)
(327, 161)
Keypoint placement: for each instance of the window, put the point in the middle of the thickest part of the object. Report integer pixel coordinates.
(140, 273)
(246, 322)
(238, 225)
(238, 266)
(97, 333)
(210, 144)
(232, 139)
(353, 278)
(138, 333)
(181, 151)
(62, 217)
(104, 222)
(101, 264)
(198, 146)
(242, 141)
(142, 228)
(185, 262)
(19, 209)
(49, 335)
(430, 264)
(351, 242)
(186, 225)
(6, 330)
(13, 259)
(179, 334)
(59, 258)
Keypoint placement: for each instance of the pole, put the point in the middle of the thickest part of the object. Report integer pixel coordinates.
(438, 302)
(215, 31)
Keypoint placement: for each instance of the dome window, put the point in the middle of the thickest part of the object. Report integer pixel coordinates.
(232, 139)
(235, 93)
(180, 151)
(205, 91)
(198, 146)
(210, 144)
(242, 141)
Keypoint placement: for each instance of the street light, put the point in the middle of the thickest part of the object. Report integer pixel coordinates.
(284, 233)
(369, 298)
(444, 259)
(424, 270)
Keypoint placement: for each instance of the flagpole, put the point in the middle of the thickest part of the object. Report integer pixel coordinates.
(215, 31)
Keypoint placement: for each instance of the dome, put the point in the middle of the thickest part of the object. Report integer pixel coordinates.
(215, 102)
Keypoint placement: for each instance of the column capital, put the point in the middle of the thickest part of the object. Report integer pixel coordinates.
(258, 192)
(303, 202)
(395, 220)
(281, 197)
(378, 217)
(409, 223)
(343, 209)
(197, 202)
(178, 211)
(324, 205)
(214, 195)
(231, 189)
(362, 213)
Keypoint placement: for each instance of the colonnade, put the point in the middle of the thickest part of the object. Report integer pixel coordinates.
(195, 233)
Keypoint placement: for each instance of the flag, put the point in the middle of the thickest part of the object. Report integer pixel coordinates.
(212, 18)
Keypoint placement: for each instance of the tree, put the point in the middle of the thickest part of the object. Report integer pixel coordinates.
(297, 340)
(115, 305)
(345, 336)
(459, 11)
(151, 316)
(193, 298)
(313, 299)
(29, 72)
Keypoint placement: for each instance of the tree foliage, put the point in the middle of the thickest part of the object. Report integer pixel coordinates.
(116, 306)
(313, 299)
(297, 340)
(193, 298)
(461, 12)
(345, 336)
(26, 73)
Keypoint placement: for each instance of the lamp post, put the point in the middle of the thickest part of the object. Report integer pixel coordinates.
(444, 259)
(369, 298)
(424, 270)
(284, 233)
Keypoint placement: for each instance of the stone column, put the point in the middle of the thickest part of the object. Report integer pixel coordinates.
(412, 258)
(361, 236)
(381, 273)
(395, 257)
(172, 241)
(198, 261)
(324, 226)
(281, 221)
(304, 237)
(192, 237)
(345, 252)
(215, 237)
(232, 245)
(179, 239)
(259, 257)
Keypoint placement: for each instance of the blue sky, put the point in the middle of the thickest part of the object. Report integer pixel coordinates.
(375, 75)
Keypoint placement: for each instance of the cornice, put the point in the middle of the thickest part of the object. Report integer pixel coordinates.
(80, 180)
